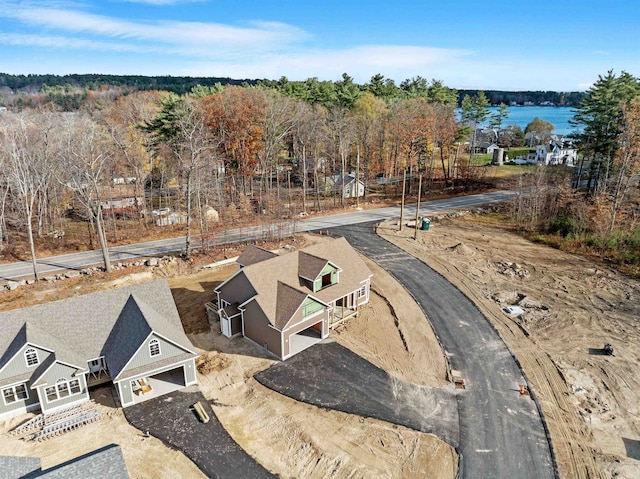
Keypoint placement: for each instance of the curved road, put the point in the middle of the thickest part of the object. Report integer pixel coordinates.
(56, 264)
(501, 433)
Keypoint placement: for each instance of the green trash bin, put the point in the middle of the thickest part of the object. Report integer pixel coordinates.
(426, 222)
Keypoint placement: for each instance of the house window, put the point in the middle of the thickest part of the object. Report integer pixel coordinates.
(51, 393)
(326, 280)
(15, 393)
(63, 388)
(154, 347)
(74, 386)
(31, 355)
(362, 292)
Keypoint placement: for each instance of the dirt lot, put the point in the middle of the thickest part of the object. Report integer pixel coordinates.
(572, 307)
(298, 440)
(289, 438)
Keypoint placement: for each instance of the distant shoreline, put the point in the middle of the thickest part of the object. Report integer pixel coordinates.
(521, 115)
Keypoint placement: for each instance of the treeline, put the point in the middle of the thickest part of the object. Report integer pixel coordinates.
(325, 92)
(245, 152)
(178, 84)
(496, 97)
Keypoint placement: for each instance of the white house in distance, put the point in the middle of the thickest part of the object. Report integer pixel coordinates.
(351, 187)
(555, 153)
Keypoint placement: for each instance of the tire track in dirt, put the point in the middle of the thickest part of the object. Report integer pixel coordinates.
(564, 427)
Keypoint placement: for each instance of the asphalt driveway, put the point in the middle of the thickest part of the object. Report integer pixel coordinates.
(501, 434)
(330, 376)
(209, 446)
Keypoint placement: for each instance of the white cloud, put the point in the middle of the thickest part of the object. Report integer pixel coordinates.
(52, 41)
(397, 62)
(64, 38)
(263, 36)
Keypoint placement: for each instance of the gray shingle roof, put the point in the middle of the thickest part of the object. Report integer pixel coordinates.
(18, 467)
(254, 254)
(104, 463)
(134, 325)
(78, 328)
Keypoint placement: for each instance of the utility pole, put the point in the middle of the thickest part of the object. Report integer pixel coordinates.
(415, 233)
(358, 178)
(289, 188)
(404, 174)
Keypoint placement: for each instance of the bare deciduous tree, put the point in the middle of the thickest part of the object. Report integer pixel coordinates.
(28, 156)
(83, 170)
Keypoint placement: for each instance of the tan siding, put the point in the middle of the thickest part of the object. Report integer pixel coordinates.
(18, 364)
(296, 328)
(143, 357)
(256, 328)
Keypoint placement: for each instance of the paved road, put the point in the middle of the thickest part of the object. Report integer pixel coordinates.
(55, 264)
(330, 376)
(501, 434)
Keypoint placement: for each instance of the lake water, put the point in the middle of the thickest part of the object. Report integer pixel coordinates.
(523, 115)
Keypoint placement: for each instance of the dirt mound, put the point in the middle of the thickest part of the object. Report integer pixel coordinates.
(212, 361)
(461, 249)
(573, 307)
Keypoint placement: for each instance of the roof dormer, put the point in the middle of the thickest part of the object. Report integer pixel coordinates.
(318, 273)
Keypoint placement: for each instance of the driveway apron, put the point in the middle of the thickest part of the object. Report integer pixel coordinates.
(331, 376)
(171, 419)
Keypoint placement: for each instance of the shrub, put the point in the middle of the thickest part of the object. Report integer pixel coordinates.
(594, 241)
(632, 257)
(634, 238)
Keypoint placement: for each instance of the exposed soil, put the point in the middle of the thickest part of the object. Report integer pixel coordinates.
(145, 457)
(294, 439)
(572, 307)
(289, 438)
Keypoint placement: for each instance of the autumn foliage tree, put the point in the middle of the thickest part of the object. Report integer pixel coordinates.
(233, 117)
(626, 163)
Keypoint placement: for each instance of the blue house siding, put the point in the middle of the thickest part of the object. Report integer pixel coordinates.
(126, 393)
(143, 356)
(21, 405)
(18, 364)
(50, 378)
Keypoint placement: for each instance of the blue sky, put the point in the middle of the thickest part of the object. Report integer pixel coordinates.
(500, 44)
